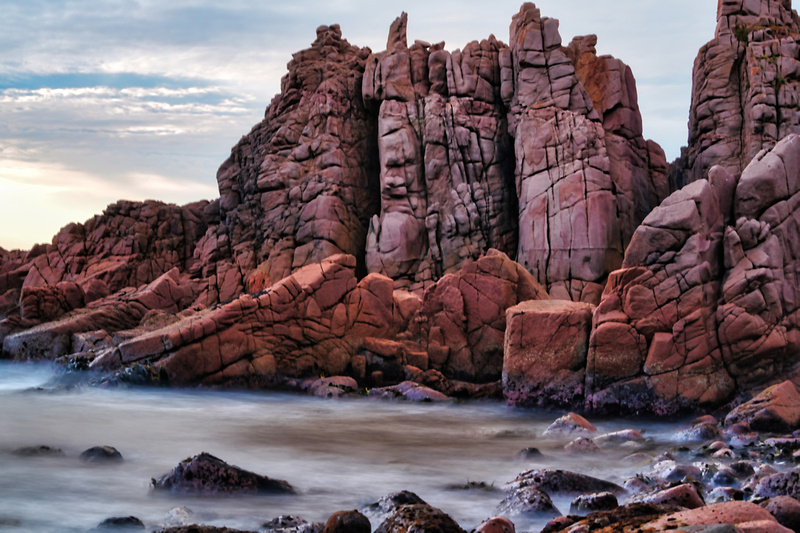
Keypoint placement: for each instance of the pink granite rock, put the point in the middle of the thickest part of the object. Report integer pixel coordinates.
(745, 84)
(546, 344)
(745, 515)
(776, 409)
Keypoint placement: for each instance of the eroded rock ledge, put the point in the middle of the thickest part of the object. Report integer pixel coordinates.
(458, 217)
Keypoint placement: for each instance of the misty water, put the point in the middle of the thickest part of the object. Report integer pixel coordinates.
(339, 454)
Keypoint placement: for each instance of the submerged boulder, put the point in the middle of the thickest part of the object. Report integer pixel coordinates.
(207, 475)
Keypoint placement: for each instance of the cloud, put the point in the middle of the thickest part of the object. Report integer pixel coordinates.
(58, 195)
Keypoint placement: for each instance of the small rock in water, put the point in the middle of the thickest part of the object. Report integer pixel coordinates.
(208, 475)
(38, 451)
(496, 524)
(418, 517)
(333, 387)
(390, 503)
(474, 485)
(194, 528)
(347, 522)
(725, 494)
(581, 445)
(120, 523)
(529, 453)
(588, 503)
(284, 521)
(570, 425)
(619, 438)
(685, 495)
(7, 521)
(291, 524)
(410, 391)
(100, 454)
(528, 501)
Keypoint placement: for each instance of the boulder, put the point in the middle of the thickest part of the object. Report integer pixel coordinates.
(418, 517)
(776, 409)
(570, 425)
(207, 475)
(745, 515)
(562, 482)
(528, 502)
(545, 348)
(347, 522)
(589, 503)
(496, 524)
(101, 454)
(786, 511)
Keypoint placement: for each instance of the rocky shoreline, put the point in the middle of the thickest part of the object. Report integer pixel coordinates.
(738, 471)
(487, 214)
(483, 223)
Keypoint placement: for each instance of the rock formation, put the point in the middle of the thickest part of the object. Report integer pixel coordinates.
(746, 83)
(370, 224)
(468, 137)
(707, 301)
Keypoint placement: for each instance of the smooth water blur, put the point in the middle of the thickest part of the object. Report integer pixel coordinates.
(339, 454)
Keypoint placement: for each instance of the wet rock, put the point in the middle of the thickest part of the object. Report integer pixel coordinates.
(703, 431)
(581, 445)
(724, 477)
(529, 453)
(619, 438)
(588, 503)
(562, 482)
(786, 511)
(333, 387)
(418, 517)
(527, 501)
(748, 516)
(779, 484)
(684, 495)
(347, 522)
(38, 451)
(7, 521)
(291, 524)
(672, 471)
(725, 494)
(408, 390)
(127, 523)
(625, 518)
(570, 425)
(776, 409)
(207, 475)
(102, 454)
(474, 486)
(496, 524)
(200, 529)
(390, 503)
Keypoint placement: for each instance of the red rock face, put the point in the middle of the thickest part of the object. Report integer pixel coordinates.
(706, 302)
(130, 245)
(581, 162)
(299, 187)
(445, 189)
(745, 88)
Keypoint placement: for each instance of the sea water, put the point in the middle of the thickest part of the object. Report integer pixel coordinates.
(338, 454)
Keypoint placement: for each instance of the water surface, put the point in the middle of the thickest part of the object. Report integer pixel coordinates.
(338, 454)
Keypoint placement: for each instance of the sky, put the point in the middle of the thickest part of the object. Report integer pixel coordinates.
(103, 100)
